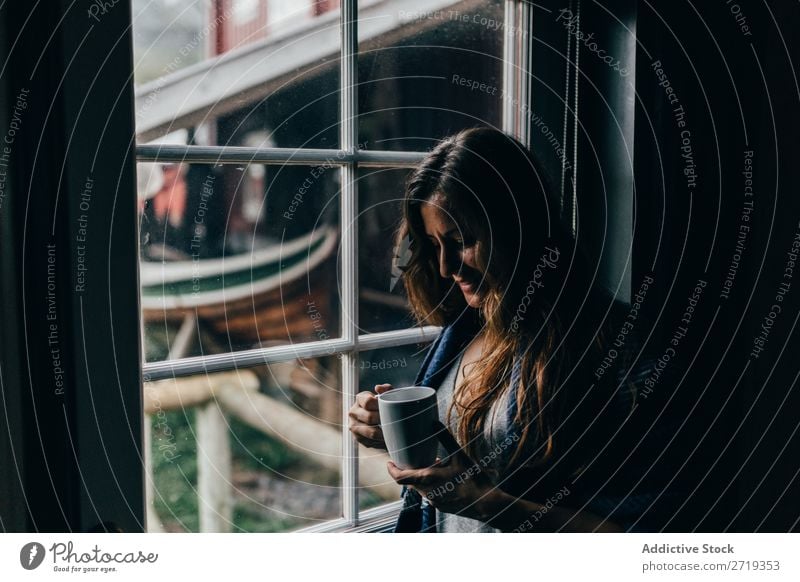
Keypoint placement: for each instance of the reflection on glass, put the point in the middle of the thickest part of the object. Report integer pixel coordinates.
(279, 426)
(397, 366)
(238, 72)
(237, 257)
(383, 304)
(163, 32)
(427, 71)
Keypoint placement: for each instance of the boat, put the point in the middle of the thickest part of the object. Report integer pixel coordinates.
(264, 297)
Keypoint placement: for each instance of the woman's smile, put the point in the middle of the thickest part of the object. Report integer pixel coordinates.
(466, 285)
(471, 289)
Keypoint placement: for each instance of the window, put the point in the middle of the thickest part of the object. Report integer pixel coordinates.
(236, 104)
(273, 141)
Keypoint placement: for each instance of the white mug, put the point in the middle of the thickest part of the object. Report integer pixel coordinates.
(408, 420)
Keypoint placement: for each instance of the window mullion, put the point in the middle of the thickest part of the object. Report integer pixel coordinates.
(236, 360)
(348, 132)
(509, 73)
(165, 153)
(516, 69)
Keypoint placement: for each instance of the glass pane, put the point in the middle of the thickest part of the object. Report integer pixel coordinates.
(424, 74)
(281, 425)
(397, 366)
(383, 304)
(238, 72)
(163, 32)
(237, 257)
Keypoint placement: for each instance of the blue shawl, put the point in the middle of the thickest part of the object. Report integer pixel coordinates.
(625, 508)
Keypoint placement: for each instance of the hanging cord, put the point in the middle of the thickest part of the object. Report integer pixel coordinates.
(570, 208)
(575, 124)
(566, 118)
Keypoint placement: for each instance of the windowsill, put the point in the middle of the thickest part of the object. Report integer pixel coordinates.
(376, 520)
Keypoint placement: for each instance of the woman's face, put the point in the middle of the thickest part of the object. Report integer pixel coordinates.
(455, 254)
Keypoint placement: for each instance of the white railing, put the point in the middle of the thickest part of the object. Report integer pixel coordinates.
(236, 394)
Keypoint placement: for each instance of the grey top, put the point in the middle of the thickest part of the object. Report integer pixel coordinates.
(495, 452)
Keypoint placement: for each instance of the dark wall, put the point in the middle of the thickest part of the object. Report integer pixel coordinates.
(707, 83)
(733, 91)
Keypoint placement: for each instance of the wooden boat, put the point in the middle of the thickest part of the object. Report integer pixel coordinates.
(264, 297)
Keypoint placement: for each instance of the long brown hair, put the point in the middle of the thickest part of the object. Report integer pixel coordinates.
(536, 280)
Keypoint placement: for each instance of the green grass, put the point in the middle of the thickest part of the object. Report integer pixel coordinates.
(249, 518)
(174, 455)
(252, 449)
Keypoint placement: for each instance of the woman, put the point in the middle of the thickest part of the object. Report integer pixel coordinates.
(525, 329)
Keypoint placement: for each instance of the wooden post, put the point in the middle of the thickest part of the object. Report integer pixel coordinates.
(316, 440)
(153, 523)
(214, 473)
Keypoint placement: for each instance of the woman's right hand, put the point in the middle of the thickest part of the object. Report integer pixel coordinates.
(365, 421)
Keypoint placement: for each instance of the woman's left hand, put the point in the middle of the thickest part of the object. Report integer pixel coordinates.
(456, 484)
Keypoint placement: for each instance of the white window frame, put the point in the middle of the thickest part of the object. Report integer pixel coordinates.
(516, 81)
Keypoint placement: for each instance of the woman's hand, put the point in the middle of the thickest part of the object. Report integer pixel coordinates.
(454, 485)
(365, 422)
(459, 485)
